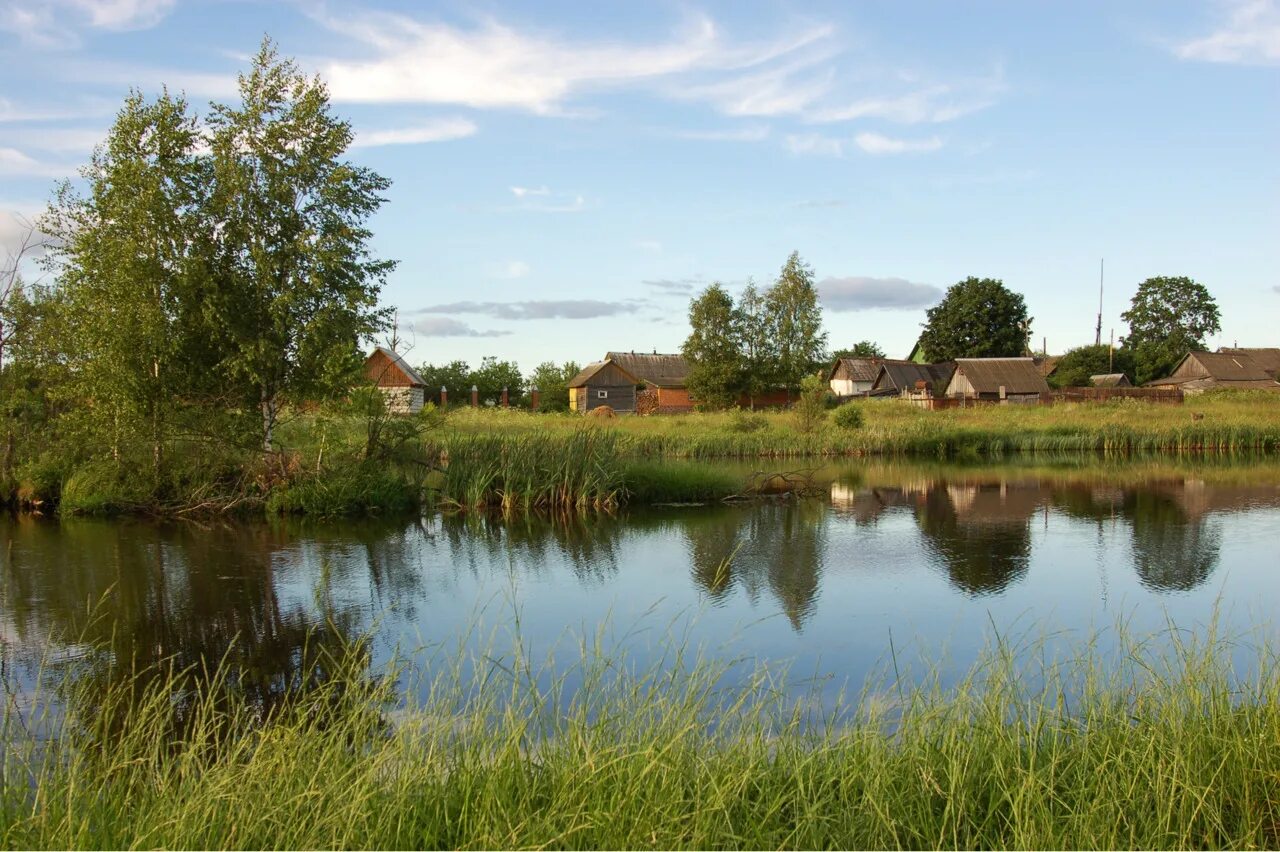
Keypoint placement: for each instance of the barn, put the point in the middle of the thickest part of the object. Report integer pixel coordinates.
(1005, 379)
(401, 386)
(663, 376)
(604, 383)
(1235, 369)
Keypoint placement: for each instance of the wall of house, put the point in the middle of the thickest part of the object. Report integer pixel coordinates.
(621, 398)
(674, 400)
(385, 374)
(403, 400)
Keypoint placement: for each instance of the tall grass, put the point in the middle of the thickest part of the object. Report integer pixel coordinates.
(1161, 745)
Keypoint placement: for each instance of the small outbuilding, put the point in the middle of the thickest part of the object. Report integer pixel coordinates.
(898, 378)
(603, 383)
(664, 377)
(402, 388)
(853, 376)
(1005, 379)
(1111, 380)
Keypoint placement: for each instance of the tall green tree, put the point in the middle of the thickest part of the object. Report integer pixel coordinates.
(978, 318)
(800, 344)
(455, 376)
(552, 381)
(125, 256)
(861, 349)
(1168, 317)
(294, 282)
(754, 329)
(493, 375)
(715, 362)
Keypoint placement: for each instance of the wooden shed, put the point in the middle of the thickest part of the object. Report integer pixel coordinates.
(897, 378)
(603, 383)
(852, 376)
(401, 386)
(664, 377)
(1111, 380)
(1005, 379)
(1234, 369)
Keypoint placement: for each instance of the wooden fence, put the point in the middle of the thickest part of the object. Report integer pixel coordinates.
(1167, 396)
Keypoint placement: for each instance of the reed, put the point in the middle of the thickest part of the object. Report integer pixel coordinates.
(1162, 744)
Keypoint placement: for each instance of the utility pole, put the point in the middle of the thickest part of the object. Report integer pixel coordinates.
(1111, 353)
(1097, 339)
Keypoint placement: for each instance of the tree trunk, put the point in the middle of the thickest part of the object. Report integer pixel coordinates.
(268, 421)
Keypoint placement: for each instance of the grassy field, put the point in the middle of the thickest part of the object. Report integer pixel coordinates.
(1143, 748)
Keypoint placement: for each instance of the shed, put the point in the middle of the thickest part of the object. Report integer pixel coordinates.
(1111, 380)
(603, 383)
(666, 375)
(1010, 379)
(402, 388)
(1201, 371)
(849, 376)
(900, 377)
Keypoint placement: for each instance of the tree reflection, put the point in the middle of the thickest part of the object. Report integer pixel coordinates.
(980, 534)
(1171, 552)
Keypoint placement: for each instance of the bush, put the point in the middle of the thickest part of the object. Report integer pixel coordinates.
(746, 423)
(647, 483)
(849, 416)
(354, 490)
(811, 407)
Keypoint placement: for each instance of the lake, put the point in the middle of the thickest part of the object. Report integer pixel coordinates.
(937, 558)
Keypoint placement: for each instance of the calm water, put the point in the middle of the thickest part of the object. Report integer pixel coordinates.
(937, 556)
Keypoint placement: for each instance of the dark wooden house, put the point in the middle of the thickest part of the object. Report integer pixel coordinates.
(1003, 379)
(664, 377)
(898, 378)
(853, 376)
(1234, 369)
(401, 386)
(603, 383)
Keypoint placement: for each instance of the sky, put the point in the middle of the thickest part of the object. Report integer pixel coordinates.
(565, 176)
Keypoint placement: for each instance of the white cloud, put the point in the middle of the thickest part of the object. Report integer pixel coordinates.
(863, 293)
(56, 23)
(495, 66)
(442, 130)
(527, 191)
(876, 143)
(124, 14)
(1250, 35)
(68, 139)
(14, 163)
(511, 269)
(815, 143)
(449, 327)
(933, 104)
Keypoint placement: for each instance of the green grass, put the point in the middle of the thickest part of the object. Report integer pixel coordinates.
(1161, 745)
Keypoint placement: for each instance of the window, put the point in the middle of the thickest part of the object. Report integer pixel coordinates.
(602, 394)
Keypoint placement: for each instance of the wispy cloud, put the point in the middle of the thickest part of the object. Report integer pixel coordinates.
(529, 191)
(862, 293)
(510, 270)
(675, 286)
(57, 23)
(540, 199)
(441, 130)
(751, 133)
(1250, 35)
(448, 327)
(814, 143)
(877, 143)
(14, 163)
(538, 309)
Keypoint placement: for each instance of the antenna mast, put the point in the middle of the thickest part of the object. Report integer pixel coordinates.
(1097, 335)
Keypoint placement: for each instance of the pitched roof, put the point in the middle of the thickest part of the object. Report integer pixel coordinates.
(862, 369)
(1110, 380)
(1015, 375)
(588, 372)
(1228, 366)
(402, 365)
(1046, 364)
(903, 375)
(1268, 358)
(664, 371)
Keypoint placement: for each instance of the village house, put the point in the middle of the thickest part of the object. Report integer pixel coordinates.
(1014, 380)
(402, 388)
(1267, 358)
(1236, 369)
(664, 379)
(853, 376)
(899, 378)
(604, 383)
(1111, 380)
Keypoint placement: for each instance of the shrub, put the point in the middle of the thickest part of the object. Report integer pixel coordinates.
(849, 416)
(745, 422)
(810, 408)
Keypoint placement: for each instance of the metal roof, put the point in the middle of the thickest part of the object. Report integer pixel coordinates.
(659, 370)
(403, 365)
(1015, 375)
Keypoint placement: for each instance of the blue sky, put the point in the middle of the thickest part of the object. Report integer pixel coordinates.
(565, 175)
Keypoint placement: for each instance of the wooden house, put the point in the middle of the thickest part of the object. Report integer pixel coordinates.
(1015, 380)
(603, 383)
(1111, 380)
(1201, 371)
(1266, 358)
(899, 378)
(664, 379)
(853, 376)
(401, 386)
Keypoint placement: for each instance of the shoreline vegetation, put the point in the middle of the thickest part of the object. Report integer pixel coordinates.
(348, 463)
(1114, 742)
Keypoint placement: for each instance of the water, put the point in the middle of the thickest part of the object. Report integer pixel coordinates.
(936, 557)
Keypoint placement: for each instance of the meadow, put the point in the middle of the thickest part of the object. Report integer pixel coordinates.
(1158, 743)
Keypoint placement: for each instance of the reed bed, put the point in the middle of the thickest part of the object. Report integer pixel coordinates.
(1160, 744)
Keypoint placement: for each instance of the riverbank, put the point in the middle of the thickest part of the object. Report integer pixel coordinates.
(510, 460)
(1136, 749)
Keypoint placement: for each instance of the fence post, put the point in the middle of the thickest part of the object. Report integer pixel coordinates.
(475, 397)
(505, 398)
(444, 397)
(535, 397)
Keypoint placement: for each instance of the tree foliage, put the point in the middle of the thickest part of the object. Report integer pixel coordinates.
(1168, 317)
(978, 318)
(799, 341)
(1076, 368)
(757, 348)
(861, 349)
(493, 375)
(552, 382)
(712, 349)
